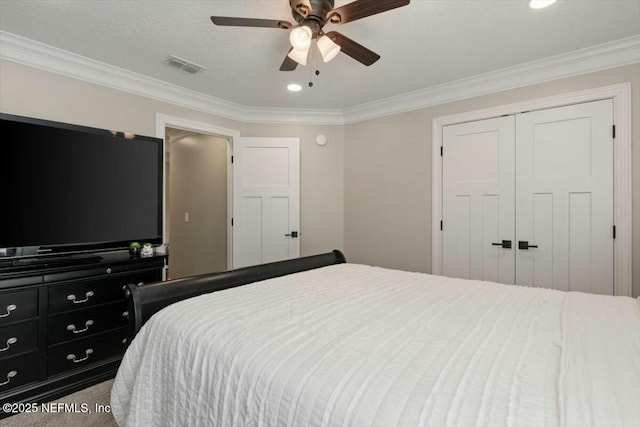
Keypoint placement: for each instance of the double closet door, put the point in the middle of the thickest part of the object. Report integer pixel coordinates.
(528, 199)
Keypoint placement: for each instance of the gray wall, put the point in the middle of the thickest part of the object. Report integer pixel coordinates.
(33, 92)
(368, 191)
(388, 174)
(197, 184)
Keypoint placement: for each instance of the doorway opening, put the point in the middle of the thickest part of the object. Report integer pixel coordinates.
(197, 214)
(198, 196)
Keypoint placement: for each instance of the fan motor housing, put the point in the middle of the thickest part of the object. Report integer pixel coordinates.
(315, 17)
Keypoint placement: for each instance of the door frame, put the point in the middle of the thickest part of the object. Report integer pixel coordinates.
(622, 173)
(162, 122)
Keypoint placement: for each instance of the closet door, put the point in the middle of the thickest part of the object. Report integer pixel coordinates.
(478, 200)
(564, 198)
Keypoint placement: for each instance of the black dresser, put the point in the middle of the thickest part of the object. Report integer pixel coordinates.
(64, 324)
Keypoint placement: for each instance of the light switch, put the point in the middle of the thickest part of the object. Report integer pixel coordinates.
(186, 217)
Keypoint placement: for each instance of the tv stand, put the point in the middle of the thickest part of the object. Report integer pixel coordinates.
(64, 323)
(57, 260)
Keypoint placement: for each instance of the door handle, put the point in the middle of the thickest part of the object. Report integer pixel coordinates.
(293, 235)
(524, 245)
(506, 244)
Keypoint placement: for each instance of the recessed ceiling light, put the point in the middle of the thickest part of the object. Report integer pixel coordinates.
(294, 87)
(539, 4)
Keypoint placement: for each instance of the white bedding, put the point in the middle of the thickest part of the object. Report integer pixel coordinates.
(356, 345)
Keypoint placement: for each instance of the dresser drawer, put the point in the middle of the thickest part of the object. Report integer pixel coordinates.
(80, 323)
(80, 353)
(18, 370)
(18, 305)
(89, 292)
(18, 339)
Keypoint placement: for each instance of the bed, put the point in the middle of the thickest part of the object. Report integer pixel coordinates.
(324, 342)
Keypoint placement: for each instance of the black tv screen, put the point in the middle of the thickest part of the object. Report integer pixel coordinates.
(68, 188)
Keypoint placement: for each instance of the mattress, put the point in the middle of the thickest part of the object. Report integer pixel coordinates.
(357, 345)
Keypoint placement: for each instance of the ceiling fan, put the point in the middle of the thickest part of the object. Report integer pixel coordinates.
(311, 16)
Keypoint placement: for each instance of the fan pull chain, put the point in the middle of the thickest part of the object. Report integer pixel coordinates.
(313, 60)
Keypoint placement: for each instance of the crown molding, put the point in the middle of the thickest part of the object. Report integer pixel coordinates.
(39, 55)
(595, 58)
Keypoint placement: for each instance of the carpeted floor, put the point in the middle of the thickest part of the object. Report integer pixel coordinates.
(99, 394)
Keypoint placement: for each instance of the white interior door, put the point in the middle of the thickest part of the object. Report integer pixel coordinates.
(564, 198)
(478, 200)
(266, 200)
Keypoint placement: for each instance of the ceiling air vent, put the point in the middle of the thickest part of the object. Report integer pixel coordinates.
(183, 64)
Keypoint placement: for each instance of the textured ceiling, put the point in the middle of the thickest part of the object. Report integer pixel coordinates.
(423, 44)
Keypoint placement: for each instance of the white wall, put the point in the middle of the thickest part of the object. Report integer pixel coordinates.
(388, 174)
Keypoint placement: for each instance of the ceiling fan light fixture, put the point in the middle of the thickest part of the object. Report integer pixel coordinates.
(300, 37)
(328, 48)
(300, 56)
(539, 4)
(310, 17)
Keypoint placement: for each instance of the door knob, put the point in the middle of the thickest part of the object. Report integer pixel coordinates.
(506, 244)
(524, 245)
(293, 235)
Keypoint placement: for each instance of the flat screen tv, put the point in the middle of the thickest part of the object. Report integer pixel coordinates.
(68, 188)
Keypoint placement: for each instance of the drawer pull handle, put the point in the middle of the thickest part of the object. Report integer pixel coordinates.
(73, 329)
(73, 299)
(124, 287)
(10, 375)
(10, 308)
(72, 356)
(125, 314)
(10, 341)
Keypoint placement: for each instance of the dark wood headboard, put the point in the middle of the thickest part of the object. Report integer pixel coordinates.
(144, 301)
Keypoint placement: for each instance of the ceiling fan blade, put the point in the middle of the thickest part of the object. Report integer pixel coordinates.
(353, 49)
(250, 22)
(361, 9)
(288, 64)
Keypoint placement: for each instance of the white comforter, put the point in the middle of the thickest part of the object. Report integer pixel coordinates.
(357, 345)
